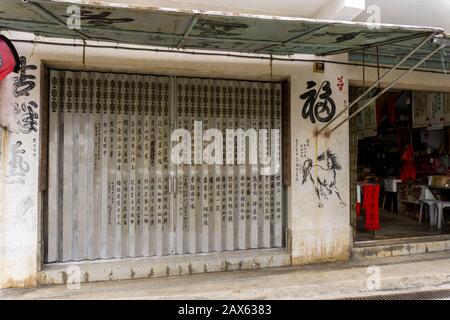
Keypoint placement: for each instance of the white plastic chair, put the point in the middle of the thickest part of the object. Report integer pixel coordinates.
(430, 200)
(440, 206)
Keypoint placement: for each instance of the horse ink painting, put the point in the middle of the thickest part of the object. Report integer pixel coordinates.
(323, 176)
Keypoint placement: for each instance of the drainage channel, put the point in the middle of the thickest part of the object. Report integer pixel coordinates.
(418, 295)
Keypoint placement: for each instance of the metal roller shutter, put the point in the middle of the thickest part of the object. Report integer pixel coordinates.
(113, 192)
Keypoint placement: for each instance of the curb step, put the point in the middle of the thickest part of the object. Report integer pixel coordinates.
(399, 249)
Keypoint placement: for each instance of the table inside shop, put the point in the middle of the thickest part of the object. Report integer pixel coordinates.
(410, 194)
(408, 198)
(440, 192)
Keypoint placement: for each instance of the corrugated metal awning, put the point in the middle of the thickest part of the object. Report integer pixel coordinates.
(205, 30)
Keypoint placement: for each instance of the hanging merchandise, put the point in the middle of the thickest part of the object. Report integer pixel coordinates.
(408, 171)
(9, 59)
(408, 154)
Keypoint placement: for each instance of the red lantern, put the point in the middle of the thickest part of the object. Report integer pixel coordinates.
(9, 59)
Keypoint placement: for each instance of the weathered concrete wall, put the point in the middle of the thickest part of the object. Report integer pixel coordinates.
(19, 119)
(316, 233)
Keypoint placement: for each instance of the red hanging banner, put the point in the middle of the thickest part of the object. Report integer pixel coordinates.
(370, 204)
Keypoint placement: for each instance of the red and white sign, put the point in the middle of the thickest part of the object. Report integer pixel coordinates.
(370, 204)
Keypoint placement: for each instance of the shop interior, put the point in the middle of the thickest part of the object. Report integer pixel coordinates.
(403, 169)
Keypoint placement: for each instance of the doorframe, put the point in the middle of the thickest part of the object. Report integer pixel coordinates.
(42, 217)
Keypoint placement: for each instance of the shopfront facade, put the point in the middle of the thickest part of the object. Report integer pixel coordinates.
(90, 189)
(41, 239)
(55, 172)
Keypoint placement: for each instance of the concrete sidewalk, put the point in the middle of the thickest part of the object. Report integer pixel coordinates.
(325, 281)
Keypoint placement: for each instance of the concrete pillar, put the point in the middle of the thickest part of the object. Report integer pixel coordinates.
(320, 223)
(19, 154)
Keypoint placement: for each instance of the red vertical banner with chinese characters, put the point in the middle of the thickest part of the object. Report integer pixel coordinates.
(370, 204)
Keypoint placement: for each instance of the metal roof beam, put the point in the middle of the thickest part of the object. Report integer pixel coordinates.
(377, 44)
(367, 103)
(188, 30)
(379, 81)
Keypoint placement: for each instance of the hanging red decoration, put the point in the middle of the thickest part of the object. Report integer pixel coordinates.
(408, 154)
(9, 59)
(408, 171)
